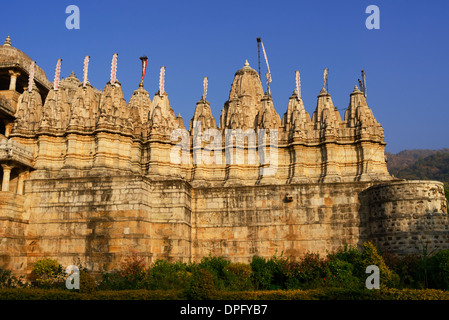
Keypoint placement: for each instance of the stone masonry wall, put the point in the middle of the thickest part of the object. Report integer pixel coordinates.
(239, 222)
(407, 216)
(102, 220)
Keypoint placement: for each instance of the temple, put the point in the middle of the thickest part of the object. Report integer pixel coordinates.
(87, 175)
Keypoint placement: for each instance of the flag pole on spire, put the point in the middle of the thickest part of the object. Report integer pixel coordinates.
(205, 88)
(325, 83)
(114, 68)
(57, 75)
(162, 81)
(298, 85)
(86, 65)
(144, 69)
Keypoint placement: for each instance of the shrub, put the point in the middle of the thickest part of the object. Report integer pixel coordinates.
(409, 268)
(87, 282)
(48, 273)
(312, 270)
(262, 273)
(371, 256)
(201, 285)
(345, 268)
(166, 275)
(341, 274)
(439, 270)
(112, 280)
(8, 280)
(239, 277)
(133, 272)
(217, 268)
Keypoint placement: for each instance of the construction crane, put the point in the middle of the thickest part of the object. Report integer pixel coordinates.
(268, 74)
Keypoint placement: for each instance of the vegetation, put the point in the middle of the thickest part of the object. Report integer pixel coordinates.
(337, 275)
(421, 165)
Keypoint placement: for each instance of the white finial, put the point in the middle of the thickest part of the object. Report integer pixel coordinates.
(162, 81)
(86, 65)
(325, 79)
(57, 75)
(114, 68)
(7, 41)
(246, 63)
(205, 88)
(298, 85)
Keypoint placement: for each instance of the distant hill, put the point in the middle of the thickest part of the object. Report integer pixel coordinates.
(420, 164)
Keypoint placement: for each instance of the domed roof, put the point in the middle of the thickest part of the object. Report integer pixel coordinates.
(13, 57)
(247, 69)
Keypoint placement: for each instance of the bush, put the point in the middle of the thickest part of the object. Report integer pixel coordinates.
(8, 280)
(166, 275)
(132, 275)
(87, 282)
(47, 273)
(201, 285)
(133, 272)
(262, 275)
(371, 256)
(239, 277)
(342, 274)
(112, 280)
(312, 271)
(409, 268)
(439, 270)
(217, 268)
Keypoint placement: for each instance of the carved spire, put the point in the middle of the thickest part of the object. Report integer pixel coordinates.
(84, 107)
(140, 104)
(202, 118)
(268, 118)
(161, 117)
(113, 110)
(360, 115)
(29, 110)
(56, 111)
(296, 120)
(326, 116)
(244, 103)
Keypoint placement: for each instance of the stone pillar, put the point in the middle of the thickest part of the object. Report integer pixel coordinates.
(13, 78)
(20, 182)
(6, 176)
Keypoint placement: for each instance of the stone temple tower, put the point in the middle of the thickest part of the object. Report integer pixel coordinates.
(87, 175)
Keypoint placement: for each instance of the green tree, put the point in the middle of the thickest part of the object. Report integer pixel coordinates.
(47, 273)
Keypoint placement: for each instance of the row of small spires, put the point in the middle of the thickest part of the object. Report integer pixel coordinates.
(144, 59)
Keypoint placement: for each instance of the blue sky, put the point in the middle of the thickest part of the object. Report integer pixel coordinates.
(406, 60)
